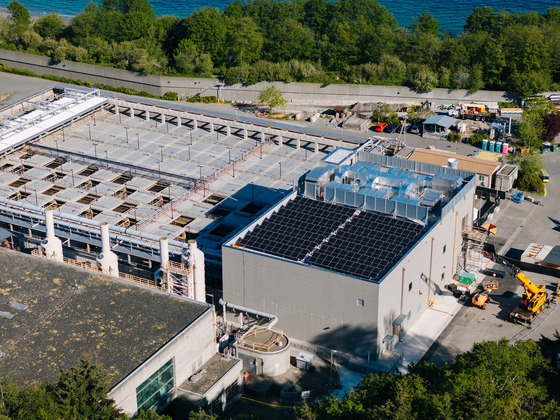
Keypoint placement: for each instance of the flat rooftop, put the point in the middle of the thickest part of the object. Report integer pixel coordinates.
(118, 324)
(125, 171)
(209, 374)
(334, 237)
(466, 163)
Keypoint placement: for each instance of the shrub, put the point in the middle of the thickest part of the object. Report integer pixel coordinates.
(171, 96)
(531, 182)
(454, 137)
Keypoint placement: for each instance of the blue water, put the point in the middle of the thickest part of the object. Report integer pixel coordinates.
(452, 14)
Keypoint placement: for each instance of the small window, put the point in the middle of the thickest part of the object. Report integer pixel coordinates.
(444, 248)
(410, 287)
(481, 177)
(361, 303)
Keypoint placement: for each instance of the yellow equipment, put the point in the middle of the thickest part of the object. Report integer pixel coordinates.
(532, 302)
(533, 297)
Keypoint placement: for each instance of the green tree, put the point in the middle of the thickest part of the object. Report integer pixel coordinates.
(50, 26)
(207, 29)
(244, 41)
(19, 13)
(201, 415)
(529, 172)
(384, 113)
(289, 39)
(481, 19)
(422, 79)
(82, 392)
(425, 24)
(493, 380)
(272, 96)
(189, 60)
(531, 129)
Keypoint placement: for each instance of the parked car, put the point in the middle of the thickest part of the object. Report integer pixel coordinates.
(415, 129)
(380, 126)
(391, 128)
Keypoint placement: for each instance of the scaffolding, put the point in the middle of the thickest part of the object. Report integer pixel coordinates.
(473, 248)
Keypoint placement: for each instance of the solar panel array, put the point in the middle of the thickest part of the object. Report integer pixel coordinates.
(367, 245)
(364, 247)
(297, 228)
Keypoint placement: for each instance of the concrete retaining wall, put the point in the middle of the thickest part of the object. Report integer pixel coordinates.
(295, 93)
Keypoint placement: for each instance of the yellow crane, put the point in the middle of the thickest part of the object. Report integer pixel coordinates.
(532, 301)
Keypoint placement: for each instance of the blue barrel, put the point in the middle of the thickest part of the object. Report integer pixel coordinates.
(485, 144)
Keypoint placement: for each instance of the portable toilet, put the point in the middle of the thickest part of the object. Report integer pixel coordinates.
(484, 144)
(491, 145)
(505, 148)
(498, 147)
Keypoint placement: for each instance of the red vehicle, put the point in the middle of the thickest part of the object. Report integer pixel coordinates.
(380, 126)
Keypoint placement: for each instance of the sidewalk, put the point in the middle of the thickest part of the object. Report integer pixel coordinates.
(419, 338)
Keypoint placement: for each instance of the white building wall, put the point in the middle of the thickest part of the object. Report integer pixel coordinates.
(189, 350)
(413, 286)
(321, 307)
(312, 305)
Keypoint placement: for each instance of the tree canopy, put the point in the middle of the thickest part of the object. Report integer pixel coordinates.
(355, 41)
(495, 380)
(80, 394)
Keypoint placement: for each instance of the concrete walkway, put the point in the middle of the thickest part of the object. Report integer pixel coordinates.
(419, 338)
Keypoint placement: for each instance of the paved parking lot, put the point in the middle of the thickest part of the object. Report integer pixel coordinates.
(518, 226)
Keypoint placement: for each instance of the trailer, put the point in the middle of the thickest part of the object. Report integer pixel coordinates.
(521, 315)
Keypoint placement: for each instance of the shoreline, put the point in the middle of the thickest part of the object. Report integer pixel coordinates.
(4, 14)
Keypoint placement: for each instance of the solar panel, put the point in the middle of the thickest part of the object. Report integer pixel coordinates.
(366, 245)
(297, 228)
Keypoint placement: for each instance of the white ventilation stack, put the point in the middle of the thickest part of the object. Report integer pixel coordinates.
(196, 281)
(51, 245)
(164, 253)
(453, 163)
(107, 260)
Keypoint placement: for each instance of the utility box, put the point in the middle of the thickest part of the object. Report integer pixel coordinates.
(304, 361)
(466, 278)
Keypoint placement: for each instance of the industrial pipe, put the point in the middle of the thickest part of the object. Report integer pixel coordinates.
(273, 318)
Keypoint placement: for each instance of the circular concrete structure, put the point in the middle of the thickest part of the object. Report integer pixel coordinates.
(264, 352)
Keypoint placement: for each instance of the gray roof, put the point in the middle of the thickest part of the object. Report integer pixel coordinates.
(553, 256)
(441, 120)
(119, 324)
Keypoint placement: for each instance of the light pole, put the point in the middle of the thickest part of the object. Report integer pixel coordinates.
(126, 128)
(332, 363)
(280, 164)
(138, 140)
(95, 149)
(89, 128)
(229, 154)
(161, 152)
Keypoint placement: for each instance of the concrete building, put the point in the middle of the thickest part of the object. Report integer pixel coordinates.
(141, 172)
(152, 344)
(352, 260)
(485, 170)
